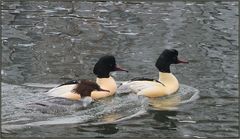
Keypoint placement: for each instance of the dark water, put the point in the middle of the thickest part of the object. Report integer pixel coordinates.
(48, 43)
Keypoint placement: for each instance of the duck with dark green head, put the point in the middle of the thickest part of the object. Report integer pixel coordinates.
(166, 84)
(104, 86)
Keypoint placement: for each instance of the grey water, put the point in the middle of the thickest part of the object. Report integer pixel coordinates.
(47, 43)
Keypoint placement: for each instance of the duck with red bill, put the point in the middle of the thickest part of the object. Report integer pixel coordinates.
(166, 83)
(182, 61)
(104, 86)
(118, 68)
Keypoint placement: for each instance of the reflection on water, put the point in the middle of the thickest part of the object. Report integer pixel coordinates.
(52, 42)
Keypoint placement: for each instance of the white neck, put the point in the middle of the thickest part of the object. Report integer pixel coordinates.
(107, 84)
(169, 80)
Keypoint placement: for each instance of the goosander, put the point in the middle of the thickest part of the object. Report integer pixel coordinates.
(167, 82)
(104, 86)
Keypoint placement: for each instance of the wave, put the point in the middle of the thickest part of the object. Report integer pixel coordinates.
(58, 111)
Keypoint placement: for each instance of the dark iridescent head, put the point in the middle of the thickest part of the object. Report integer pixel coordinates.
(168, 57)
(105, 65)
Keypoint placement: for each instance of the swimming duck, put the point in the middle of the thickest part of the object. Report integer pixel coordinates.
(167, 82)
(104, 86)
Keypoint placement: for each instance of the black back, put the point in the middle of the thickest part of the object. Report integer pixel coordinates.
(70, 82)
(146, 79)
(142, 79)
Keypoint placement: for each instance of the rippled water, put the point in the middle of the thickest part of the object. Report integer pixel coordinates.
(47, 43)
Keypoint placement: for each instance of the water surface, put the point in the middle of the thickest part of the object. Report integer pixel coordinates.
(48, 43)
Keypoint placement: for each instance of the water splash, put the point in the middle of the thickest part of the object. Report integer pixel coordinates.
(59, 111)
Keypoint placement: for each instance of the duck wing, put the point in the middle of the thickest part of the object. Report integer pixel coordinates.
(144, 87)
(146, 79)
(70, 82)
(63, 88)
(137, 85)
